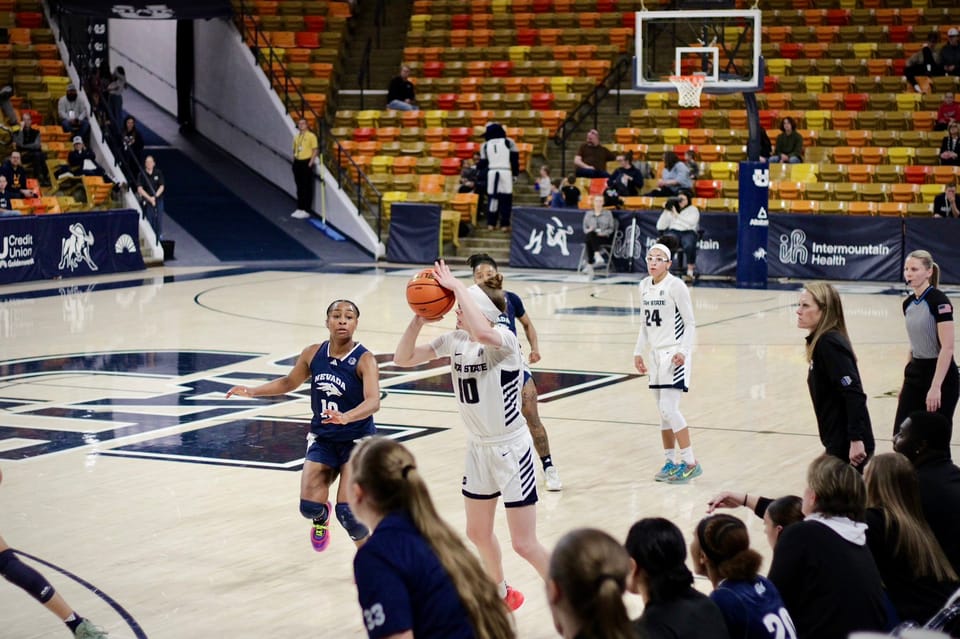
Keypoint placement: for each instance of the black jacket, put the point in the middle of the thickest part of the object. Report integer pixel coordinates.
(940, 498)
(838, 398)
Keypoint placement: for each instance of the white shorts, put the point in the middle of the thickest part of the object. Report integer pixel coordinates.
(503, 469)
(663, 374)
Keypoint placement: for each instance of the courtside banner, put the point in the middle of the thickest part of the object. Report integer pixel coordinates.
(752, 225)
(835, 247)
(69, 245)
(636, 233)
(717, 249)
(414, 233)
(546, 238)
(939, 236)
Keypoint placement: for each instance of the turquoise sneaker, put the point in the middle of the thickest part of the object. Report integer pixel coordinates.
(87, 630)
(668, 471)
(685, 473)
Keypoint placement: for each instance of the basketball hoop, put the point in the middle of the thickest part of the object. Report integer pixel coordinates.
(688, 89)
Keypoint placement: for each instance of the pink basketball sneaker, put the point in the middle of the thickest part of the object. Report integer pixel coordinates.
(320, 532)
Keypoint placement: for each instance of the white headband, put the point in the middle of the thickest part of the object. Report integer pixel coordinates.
(487, 307)
(661, 247)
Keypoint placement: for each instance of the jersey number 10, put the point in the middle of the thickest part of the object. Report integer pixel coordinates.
(467, 390)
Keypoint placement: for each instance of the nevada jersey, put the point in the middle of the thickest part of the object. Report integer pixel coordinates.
(335, 385)
(754, 609)
(667, 321)
(515, 310)
(486, 382)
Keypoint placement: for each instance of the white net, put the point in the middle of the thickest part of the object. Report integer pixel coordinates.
(688, 89)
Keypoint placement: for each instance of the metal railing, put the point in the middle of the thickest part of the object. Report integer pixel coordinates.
(349, 175)
(590, 105)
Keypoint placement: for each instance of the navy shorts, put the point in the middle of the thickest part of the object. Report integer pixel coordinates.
(332, 454)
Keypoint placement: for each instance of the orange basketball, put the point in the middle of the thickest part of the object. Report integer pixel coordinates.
(427, 298)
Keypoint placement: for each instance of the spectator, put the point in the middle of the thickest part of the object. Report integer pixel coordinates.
(766, 149)
(945, 204)
(16, 175)
(924, 439)
(74, 117)
(950, 146)
(592, 157)
(681, 219)
(598, 226)
(924, 62)
(118, 83)
(672, 607)
(132, 140)
(83, 161)
(915, 572)
(27, 142)
(822, 566)
(626, 179)
(556, 195)
(947, 113)
(789, 146)
(690, 159)
(751, 604)
(675, 177)
(571, 192)
(585, 586)
(468, 174)
(6, 195)
(543, 184)
(643, 168)
(950, 53)
(150, 188)
(401, 95)
(305, 154)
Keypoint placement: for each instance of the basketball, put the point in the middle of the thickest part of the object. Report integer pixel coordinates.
(427, 298)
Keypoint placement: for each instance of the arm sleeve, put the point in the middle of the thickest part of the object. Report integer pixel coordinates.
(518, 309)
(683, 175)
(383, 596)
(663, 222)
(589, 222)
(681, 295)
(940, 306)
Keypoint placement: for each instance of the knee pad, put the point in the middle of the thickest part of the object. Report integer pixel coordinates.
(354, 528)
(22, 575)
(314, 510)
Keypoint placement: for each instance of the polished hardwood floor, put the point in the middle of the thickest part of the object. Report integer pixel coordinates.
(160, 509)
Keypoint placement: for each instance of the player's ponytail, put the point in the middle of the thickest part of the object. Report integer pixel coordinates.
(388, 473)
(590, 568)
(724, 541)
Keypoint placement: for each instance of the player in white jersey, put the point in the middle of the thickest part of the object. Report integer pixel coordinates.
(667, 330)
(486, 370)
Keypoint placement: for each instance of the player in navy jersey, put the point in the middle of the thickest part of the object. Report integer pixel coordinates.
(344, 395)
(750, 604)
(484, 269)
(930, 380)
(486, 371)
(667, 330)
(415, 577)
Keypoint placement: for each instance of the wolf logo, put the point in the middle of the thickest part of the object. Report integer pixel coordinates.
(329, 389)
(76, 248)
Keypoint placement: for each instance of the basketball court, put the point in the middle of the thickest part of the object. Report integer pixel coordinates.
(161, 509)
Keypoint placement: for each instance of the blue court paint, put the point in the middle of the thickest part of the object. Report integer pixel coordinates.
(107, 599)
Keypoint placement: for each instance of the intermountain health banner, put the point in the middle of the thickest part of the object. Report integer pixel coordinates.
(835, 247)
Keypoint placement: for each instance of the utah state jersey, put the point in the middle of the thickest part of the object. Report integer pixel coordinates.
(334, 384)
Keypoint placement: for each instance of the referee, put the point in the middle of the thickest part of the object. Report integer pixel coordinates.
(305, 152)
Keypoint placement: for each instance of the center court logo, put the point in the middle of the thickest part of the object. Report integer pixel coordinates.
(793, 248)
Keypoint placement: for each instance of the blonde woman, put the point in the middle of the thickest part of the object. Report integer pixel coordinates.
(917, 575)
(833, 378)
(415, 577)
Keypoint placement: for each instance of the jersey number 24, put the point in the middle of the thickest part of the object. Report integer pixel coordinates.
(651, 317)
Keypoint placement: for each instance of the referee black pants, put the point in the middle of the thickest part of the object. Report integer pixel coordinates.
(917, 377)
(303, 177)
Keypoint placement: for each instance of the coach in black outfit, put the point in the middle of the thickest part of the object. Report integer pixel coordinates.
(822, 566)
(924, 438)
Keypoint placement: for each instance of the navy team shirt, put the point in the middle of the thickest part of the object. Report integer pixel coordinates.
(402, 586)
(334, 384)
(753, 610)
